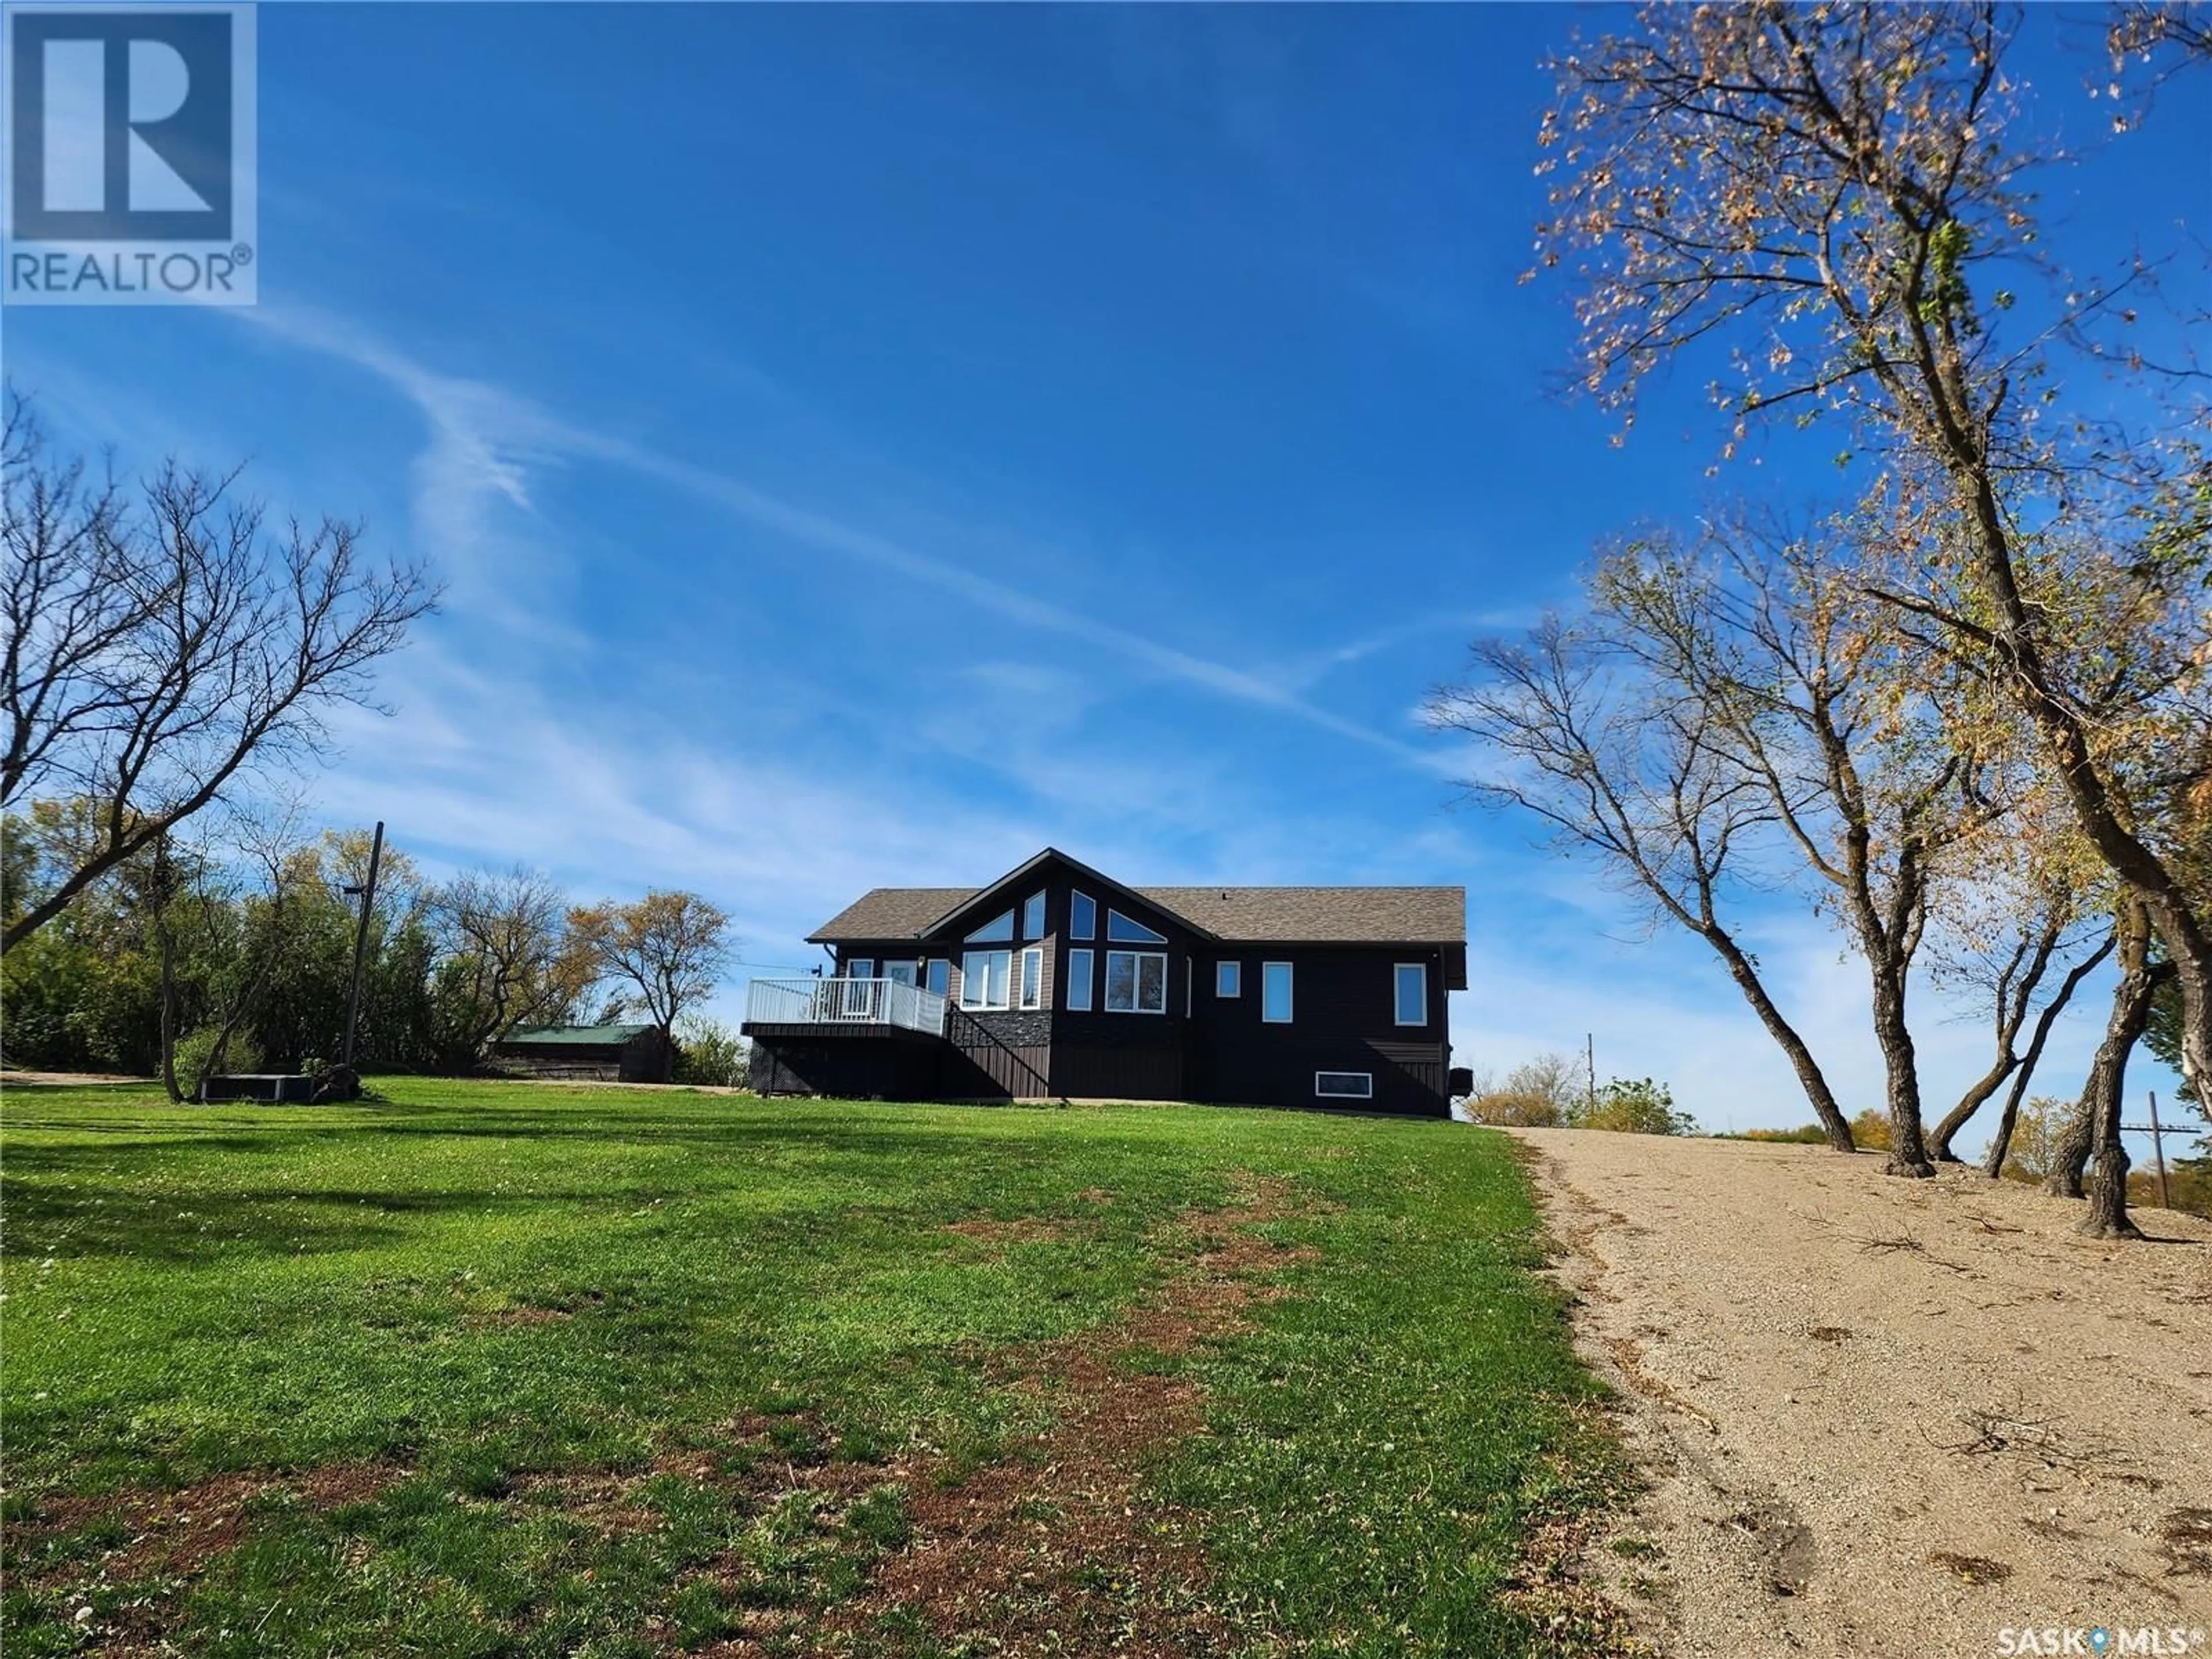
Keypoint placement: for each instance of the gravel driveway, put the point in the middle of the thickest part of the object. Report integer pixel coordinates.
(1883, 1416)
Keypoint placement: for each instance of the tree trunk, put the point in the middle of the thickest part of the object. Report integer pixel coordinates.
(1810, 1076)
(2108, 1188)
(2001, 1143)
(1908, 1156)
(2157, 893)
(169, 1016)
(1993, 1160)
(1939, 1144)
(2095, 1125)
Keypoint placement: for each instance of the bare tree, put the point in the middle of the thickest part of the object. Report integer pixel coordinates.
(1538, 1093)
(1838, 192)
(269, 840)
(2024, 902)
(505, 958)
(2168, 36)
(158, 647)
(1813, 705)
(1993, 1160)
(666, 951)
(1640, 776)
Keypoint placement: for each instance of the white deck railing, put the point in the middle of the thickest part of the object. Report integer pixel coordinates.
(812, 1001)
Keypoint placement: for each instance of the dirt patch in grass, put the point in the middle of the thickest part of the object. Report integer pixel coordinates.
(1024, 1230)
(174, 1533)
(1056, 1549)
(520, 1316)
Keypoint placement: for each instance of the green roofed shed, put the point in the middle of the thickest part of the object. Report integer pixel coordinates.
(605, 1054)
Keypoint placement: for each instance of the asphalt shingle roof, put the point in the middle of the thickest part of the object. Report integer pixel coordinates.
(1287, 915)
(892, 911)
(1321, 915)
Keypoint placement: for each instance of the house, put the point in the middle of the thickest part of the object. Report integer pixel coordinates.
(1057, 981)
(600, 1054)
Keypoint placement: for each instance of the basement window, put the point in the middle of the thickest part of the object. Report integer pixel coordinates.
(1345, 1085)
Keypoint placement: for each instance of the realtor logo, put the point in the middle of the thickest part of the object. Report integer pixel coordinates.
(130, 154)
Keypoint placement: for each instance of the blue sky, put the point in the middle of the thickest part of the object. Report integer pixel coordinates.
(865, 446)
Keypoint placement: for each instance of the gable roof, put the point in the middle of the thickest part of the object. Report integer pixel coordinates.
(1269, 915)
(891, 913)
(1020, 876)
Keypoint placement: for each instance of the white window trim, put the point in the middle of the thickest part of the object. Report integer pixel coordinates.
(1136, 979)
(1082, 979)
(1397, 1014)
(1289, 1014)
(1090, 932)
(1036, 900)
(853, 969)
(1022, 994)
(1368, 1093)
(1011, 918)
(985, 1007)
(1234, 970)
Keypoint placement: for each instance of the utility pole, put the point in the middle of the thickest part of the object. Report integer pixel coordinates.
(1589, 1056)
(2158, 1152)
(361, 942)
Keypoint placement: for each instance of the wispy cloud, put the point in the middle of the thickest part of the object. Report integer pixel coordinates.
(485, 441)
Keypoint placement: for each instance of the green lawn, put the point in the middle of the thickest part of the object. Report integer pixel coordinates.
(488, 1369)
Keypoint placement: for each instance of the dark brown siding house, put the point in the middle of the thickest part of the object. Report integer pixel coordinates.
(1058, 983)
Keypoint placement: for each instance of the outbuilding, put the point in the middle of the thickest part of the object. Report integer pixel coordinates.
(598, 1054)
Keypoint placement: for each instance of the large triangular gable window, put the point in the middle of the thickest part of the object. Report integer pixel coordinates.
(1121, 929)
(999, 928)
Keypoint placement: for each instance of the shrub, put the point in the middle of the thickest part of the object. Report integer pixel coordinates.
(708, 1053)
(1505, 1108)
(1806, 1134)
(1633, 1106)
(195, 1047)
(2036, 1133)
(1870, 1131)
(1554, 1079)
